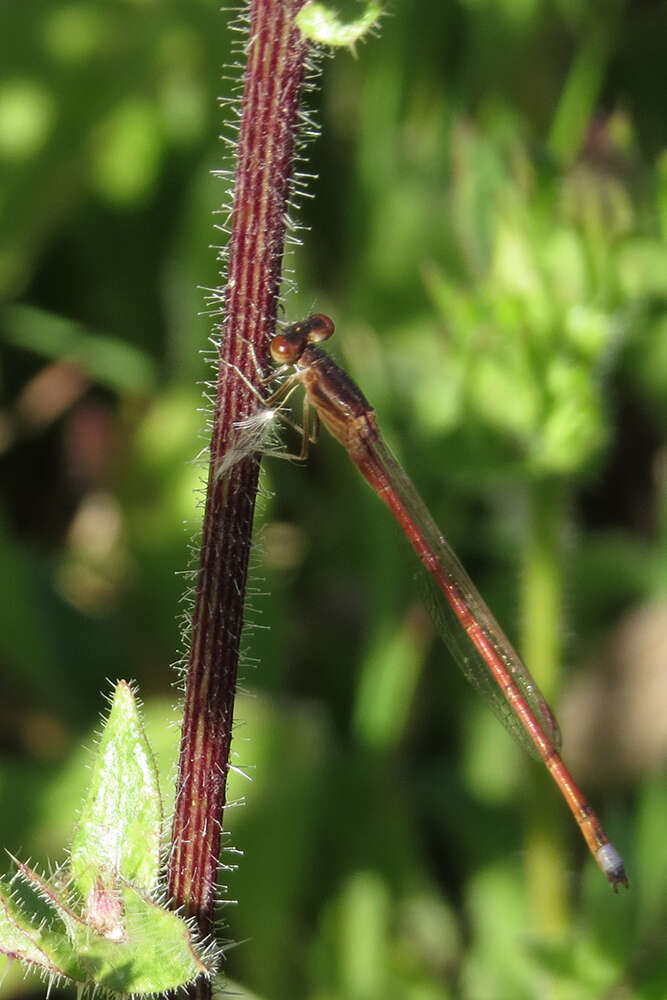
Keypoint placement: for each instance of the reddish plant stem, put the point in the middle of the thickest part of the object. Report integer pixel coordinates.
(272, 86)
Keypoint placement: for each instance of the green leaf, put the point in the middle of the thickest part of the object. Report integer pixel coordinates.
(34, 926)
(119, 831)
(153, 952)
(143, 949)
(100, 922)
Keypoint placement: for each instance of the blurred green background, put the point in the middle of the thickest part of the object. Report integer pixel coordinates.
(490, 234)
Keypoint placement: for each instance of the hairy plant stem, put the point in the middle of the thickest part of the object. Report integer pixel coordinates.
(272, 86)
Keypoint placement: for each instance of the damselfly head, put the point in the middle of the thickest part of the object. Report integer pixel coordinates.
(286, 348)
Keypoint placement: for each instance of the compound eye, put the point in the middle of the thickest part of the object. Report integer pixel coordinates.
(283, 351)
(320, 327)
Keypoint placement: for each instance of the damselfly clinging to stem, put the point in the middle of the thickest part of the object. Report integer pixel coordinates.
(467, 626)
